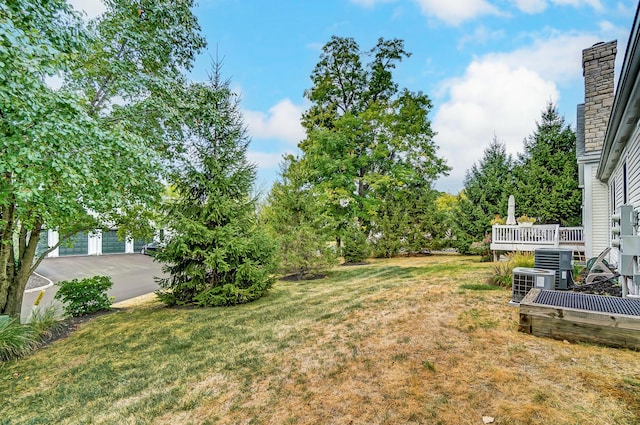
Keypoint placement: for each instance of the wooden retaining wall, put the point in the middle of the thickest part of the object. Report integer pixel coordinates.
(571, 324)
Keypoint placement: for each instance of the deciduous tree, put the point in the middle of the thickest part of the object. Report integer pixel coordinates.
(82, 156)
(365, 136)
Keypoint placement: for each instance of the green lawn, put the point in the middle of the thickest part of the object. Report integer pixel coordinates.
(403, 341)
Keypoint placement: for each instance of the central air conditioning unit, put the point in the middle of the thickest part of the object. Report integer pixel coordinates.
(559, 260)
(525, 279)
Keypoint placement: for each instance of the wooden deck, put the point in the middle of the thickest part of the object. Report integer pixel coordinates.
(617, 326)
(521, 238)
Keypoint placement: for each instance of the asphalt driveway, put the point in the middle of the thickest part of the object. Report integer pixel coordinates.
(132, 275)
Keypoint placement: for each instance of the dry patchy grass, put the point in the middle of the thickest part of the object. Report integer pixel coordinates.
(398, 341)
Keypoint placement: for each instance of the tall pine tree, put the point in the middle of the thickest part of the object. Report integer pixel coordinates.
(217, 255)
(487, 186)
(295, 218)
(547, 173)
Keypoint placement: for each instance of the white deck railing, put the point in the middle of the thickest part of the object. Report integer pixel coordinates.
(527, 238)
(571, 235)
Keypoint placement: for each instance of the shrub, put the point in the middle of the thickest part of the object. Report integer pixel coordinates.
(16, 340)
(521, 259)
(481, 248)
(503, 270)
(84, 296)
(502, 274)
(232, 270)
(44, 322)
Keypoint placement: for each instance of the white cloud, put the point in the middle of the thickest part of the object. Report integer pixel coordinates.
(503, 94)
(492, 98)
(481, 35)
(92, 8)
(531, 6)
(538, 6)
(579, 3)
(265, 160)
(454, 12)
(557, 58)
(281, 122)
(370, 3)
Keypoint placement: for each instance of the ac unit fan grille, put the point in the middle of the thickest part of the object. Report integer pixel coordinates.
(525, 279)
(522, 283)
(559, 260)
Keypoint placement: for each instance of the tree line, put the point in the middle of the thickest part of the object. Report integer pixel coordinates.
(128, 142)
(543, 180)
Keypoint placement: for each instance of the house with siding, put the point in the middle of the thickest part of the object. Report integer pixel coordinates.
(608, 155)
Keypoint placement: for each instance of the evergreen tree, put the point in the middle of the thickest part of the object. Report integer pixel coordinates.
(355, 249)
(487, 186)
(217, 255)
(295, 218)
(547, 173)
(72, 158)
(409, 221)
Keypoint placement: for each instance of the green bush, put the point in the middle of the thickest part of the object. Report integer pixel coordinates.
(503, 270)
(482, 248)
(84, 296)
(16, 340)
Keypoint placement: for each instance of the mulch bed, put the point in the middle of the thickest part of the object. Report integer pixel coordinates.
(36, 281)
(296, 278)
(69, 325)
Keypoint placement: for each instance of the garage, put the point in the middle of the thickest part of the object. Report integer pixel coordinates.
(111, 244)
(78, 244)
(138, 244)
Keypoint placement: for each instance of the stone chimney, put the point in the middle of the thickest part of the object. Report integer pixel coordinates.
(597, 64)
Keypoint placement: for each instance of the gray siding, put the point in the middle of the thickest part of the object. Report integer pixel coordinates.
(630, 156)
(633, 169)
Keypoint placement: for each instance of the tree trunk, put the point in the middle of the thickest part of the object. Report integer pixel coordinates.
(13, 305)
(7, 263)
(16, 271)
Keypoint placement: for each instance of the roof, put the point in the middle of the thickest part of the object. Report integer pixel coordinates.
(626, 107)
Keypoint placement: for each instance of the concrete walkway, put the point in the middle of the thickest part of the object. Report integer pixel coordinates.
(132, 275)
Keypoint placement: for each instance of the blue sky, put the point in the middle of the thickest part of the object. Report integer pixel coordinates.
(489, 66)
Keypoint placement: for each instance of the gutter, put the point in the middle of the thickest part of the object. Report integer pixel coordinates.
(625, 112)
